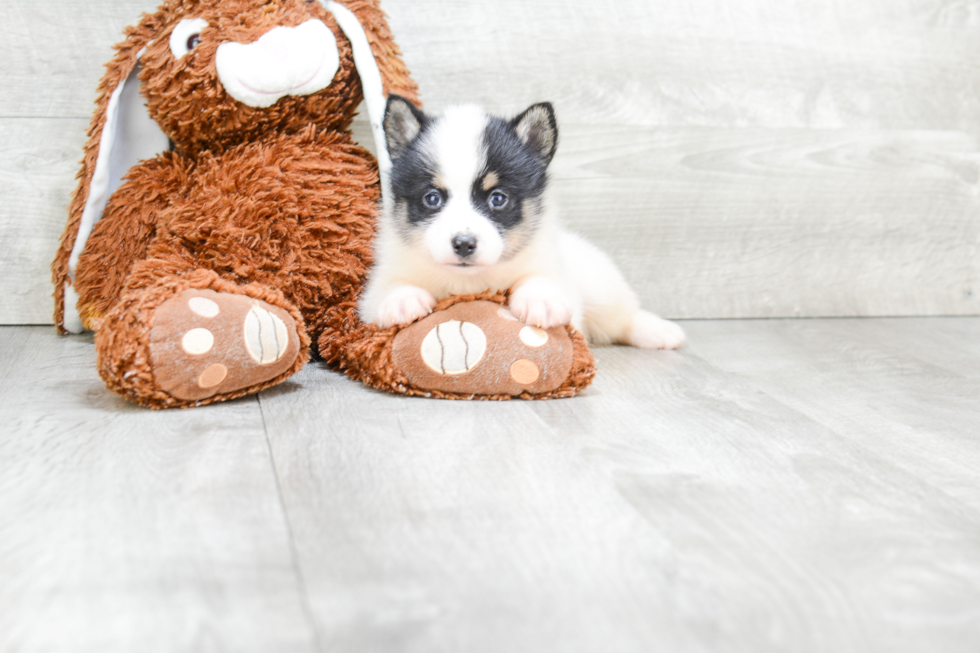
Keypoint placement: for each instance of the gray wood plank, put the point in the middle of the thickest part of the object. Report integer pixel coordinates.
(780, 223)
(873, 64)
(677, 505)
(907, 389)
(130, 530)
(54, 52)
(38, 162)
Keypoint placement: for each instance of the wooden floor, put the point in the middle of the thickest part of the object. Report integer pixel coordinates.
(806, 485)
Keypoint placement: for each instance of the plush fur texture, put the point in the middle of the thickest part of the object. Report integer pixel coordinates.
(276, 204)
(470, 212)
(365, 352)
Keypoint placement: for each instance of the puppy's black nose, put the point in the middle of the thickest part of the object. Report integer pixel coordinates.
(464, 246)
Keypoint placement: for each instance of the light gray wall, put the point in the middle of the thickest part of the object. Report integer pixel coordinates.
(756, 158)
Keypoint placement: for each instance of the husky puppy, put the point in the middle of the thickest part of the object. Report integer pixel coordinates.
(469, 212)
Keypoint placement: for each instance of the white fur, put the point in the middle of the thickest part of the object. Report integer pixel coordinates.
(573, 283)
(455, 141)
(556, 278)
(541, 301)
(405, 304)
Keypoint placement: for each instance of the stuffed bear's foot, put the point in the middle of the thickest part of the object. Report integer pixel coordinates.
(206, 343)
(471, 347)
(196, 338)
(481, 348)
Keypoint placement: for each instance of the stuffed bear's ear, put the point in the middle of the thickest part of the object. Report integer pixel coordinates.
(379, 67)
(395, 77)
(121, 134)
(538, 129)
(402, 123)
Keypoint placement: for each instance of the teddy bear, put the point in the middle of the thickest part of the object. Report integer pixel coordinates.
(223, 223)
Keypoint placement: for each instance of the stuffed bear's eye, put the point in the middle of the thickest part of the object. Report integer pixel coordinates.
(186, 36)
(432, 199)
(498, 199)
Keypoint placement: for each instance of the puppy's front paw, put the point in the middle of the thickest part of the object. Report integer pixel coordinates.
(404, 305)
(539, 302)
(652, 332)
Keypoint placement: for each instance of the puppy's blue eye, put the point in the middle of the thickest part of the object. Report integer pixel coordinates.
(498, 200)
(432, 199)
(193, 41)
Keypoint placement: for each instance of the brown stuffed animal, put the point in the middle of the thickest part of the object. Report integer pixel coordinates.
(222, 227)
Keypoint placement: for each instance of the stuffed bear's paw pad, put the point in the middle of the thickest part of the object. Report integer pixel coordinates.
(266, 336)
(481, 348)
(205, 343)
(454, 347)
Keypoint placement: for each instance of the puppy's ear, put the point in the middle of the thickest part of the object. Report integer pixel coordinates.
(402, 123)
(538, 129)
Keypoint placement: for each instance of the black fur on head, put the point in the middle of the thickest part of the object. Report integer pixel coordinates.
(515, 166)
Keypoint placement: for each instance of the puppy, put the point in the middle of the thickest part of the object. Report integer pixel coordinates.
(469, 212)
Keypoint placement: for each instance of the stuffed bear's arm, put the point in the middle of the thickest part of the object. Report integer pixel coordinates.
(125, 232)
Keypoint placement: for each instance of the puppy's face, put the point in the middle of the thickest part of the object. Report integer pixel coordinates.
(468, 188)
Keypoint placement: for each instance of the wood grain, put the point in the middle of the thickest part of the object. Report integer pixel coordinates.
(778, 485)
(766, 159)
(758, 63)
(906, 389)
(677, 505)
(54, 52)
(37, 166)
(125, 529)
(781, 223)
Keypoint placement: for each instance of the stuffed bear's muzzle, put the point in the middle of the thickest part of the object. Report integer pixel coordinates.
(284, 61)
